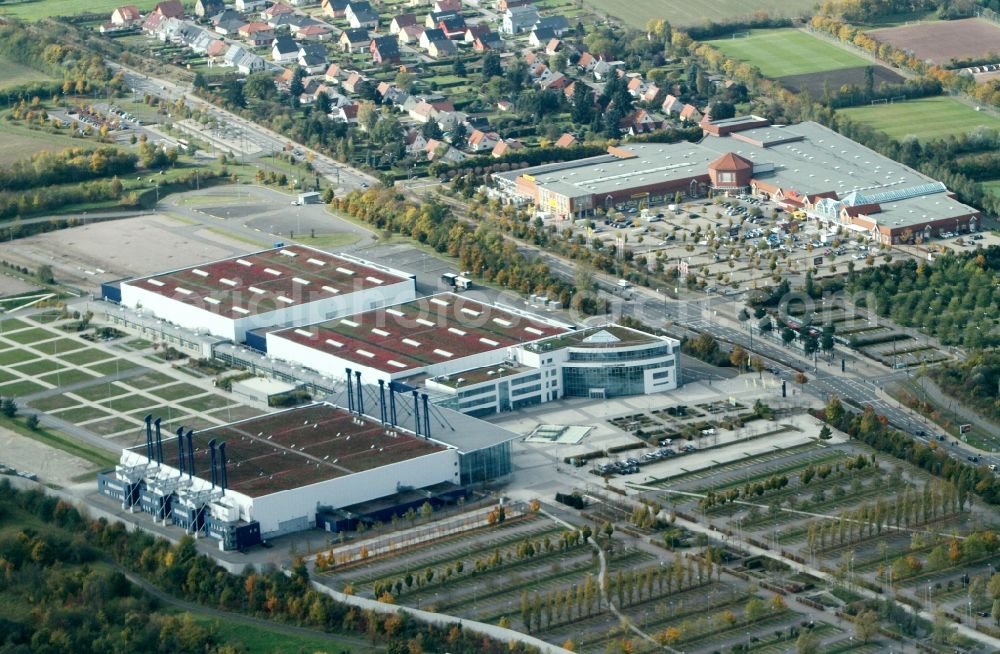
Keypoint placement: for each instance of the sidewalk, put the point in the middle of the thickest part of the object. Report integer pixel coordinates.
(931, 388)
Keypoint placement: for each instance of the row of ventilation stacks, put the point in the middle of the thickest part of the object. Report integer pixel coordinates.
(154, 452)
(387, 414)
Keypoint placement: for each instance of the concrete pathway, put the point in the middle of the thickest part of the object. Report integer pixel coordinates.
(931, 388)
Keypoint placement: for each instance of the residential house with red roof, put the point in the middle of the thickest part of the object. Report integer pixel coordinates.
(314, 33)
(567, 140)
(257, 34)
(169, 9)
(506, 146)
(480, 141)
(127, 16)
(690, 113)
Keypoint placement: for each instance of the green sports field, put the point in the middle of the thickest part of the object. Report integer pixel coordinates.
(927, 118)
(37, 9)
(685, 13)
(782, 52)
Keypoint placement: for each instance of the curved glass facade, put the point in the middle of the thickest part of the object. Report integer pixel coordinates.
(619, 355)
(616, 381)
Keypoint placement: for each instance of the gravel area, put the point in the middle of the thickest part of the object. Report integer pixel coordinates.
(51, 465)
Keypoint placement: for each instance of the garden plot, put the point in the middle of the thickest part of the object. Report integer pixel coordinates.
(870, 519)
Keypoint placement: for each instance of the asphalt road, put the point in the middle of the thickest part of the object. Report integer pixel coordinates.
(857, 384)
(343, 177)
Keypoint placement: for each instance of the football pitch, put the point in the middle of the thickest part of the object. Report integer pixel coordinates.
(684, 13)
(926, 118)
(782, 52)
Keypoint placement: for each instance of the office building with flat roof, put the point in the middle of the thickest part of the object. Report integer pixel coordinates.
(596, 362)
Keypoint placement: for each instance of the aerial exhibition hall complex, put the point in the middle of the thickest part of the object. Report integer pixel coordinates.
(417, 373)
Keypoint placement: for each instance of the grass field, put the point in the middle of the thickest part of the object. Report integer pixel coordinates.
(19, 388)
(37, 9)
(638, 12)
(18, 142)
(339, 239)
(257, 640)
(15, 74)
(992, 186)
(927, 118)
(112, 367)
(782, 52)
(83, 357)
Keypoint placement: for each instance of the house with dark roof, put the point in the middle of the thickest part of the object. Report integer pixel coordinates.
(447, 5)
(361, 14)
(433, 18)
(384, 50)
(558, 24)
(540, 36)
(518, 20)
(228, 23)
(280, 21)
(401, 21)
(312, 57)
(488, 41)
(640, 121)
(473, 32)
(429, 35)
(334, 8)
(284, 49)
(354, 40)
(441, 48)
(452, 26)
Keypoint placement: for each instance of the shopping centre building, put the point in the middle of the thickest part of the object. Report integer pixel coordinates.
(805, 167)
